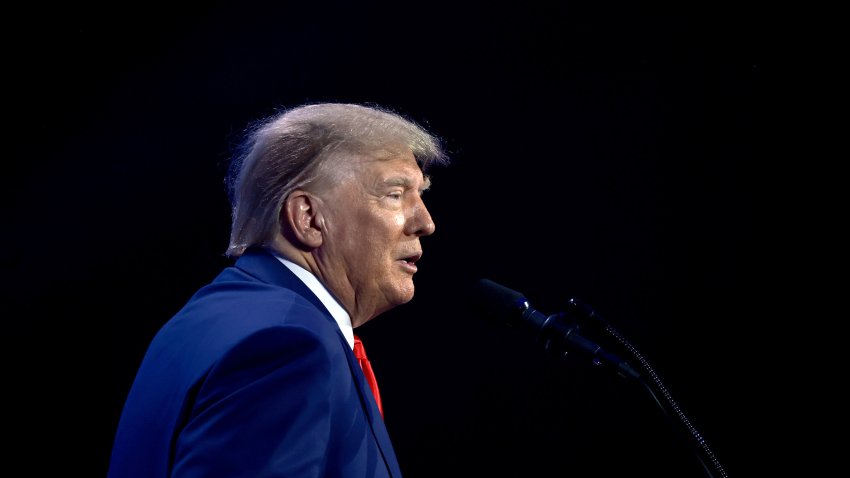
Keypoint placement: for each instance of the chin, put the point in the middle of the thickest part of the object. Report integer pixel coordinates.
(402, 293)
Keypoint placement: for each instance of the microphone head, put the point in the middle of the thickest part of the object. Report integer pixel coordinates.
(498, 302)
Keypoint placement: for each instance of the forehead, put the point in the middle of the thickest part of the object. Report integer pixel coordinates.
(401, 169)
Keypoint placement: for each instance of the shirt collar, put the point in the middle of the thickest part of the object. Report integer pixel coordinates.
(339, 314)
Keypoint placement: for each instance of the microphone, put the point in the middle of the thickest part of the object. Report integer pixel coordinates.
(557, 333)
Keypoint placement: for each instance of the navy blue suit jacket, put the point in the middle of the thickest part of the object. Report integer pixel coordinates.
(252, 378)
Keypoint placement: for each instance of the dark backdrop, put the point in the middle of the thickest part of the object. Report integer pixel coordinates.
(601, 150)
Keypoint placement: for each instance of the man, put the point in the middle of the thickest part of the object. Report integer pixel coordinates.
(256, 375)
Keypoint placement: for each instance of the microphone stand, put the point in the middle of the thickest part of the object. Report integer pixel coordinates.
(655, 387)
(559, 335)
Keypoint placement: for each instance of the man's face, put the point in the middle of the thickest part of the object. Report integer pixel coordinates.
(373, 218)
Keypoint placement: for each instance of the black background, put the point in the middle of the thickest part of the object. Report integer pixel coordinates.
(607, 151)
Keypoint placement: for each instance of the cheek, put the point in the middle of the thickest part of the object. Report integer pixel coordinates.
(374, 238)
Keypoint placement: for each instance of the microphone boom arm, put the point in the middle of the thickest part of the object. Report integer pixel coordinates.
(558, 333)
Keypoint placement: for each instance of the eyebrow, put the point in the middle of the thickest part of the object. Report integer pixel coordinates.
(405, 182)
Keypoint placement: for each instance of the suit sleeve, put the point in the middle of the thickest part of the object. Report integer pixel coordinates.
(263, 410)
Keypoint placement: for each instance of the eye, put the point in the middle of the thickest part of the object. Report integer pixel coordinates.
(395, 195)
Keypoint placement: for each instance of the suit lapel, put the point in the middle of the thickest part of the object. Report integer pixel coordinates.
(267, 268)
(379, 430)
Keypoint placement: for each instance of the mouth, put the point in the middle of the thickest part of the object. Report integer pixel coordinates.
(411, 259)
(409, 262)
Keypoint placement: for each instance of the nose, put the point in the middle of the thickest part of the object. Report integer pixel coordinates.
(421, 223)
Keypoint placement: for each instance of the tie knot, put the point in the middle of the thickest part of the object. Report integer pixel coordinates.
(359, 351)
(368, 373)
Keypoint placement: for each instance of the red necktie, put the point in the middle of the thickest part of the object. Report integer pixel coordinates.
(360, 353)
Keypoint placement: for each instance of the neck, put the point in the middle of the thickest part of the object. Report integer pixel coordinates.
(336, 283)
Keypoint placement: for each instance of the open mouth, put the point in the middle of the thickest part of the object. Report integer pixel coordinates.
(408, 263)
(411, 259)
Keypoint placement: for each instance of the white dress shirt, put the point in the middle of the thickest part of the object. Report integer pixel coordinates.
(343, 320)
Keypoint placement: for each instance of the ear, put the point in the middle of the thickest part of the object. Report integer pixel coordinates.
(301, 219)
